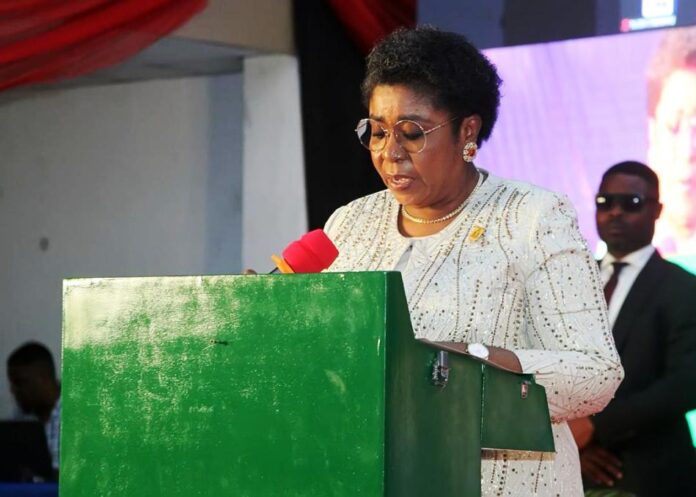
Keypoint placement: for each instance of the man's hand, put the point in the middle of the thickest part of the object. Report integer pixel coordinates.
(600, 465)
(583, 431)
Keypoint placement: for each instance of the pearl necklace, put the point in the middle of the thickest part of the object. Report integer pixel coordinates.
(446, 217)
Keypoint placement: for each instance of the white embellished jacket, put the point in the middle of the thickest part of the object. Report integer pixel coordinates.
(512, 271)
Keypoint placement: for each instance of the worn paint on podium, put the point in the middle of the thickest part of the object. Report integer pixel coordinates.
(223, 385)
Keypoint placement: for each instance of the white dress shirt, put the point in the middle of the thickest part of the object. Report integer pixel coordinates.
(635, 262)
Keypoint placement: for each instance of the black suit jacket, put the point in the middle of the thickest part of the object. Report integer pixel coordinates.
(655, 335)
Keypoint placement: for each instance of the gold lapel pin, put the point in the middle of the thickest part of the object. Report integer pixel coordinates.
(476, 232)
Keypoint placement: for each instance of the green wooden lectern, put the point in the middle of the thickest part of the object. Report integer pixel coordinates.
(296, 385)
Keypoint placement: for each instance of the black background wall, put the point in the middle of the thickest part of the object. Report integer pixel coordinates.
(337, 167)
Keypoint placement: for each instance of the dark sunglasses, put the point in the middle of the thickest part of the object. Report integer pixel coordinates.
(629, 202)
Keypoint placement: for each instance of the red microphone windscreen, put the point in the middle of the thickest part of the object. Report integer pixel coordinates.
(312, 253)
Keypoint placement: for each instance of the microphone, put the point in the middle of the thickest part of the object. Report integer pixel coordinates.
(312, 253)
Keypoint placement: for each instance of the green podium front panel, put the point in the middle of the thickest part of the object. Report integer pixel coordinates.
(223, 386)
(293, 385)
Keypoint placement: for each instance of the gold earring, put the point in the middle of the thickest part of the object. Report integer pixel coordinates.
(469, 152)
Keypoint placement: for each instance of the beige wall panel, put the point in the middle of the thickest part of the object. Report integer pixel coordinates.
(263, 25)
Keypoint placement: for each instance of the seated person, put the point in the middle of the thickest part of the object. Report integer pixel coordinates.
(32, 377)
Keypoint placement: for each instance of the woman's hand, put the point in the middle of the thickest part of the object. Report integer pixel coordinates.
(458, 347)
(500, 358)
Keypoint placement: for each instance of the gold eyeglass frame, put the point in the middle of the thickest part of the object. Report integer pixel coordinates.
(389, 132)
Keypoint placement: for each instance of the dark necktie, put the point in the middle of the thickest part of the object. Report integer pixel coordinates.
(613, 280)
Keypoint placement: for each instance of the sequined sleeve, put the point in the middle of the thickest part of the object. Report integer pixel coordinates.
(572, 350)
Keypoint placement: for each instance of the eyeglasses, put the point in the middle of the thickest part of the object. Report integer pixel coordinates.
(629, 202)
(410, 135)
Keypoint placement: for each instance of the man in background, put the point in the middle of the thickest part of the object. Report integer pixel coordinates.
(32, 377)
(641, 442)
(672, 138)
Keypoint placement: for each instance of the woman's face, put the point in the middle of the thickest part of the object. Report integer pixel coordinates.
(433, 178)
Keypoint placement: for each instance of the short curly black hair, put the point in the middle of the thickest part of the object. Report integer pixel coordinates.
(635, 168)
(439, 65)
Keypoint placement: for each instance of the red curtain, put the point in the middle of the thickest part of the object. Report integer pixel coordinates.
(368, 21)
(48, 40)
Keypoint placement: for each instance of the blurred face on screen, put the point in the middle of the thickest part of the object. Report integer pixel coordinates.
(672, 151)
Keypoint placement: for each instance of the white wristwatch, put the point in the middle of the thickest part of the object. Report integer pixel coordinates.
(478, 350)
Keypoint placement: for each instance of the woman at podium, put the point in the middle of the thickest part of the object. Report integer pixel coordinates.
(495, 268)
